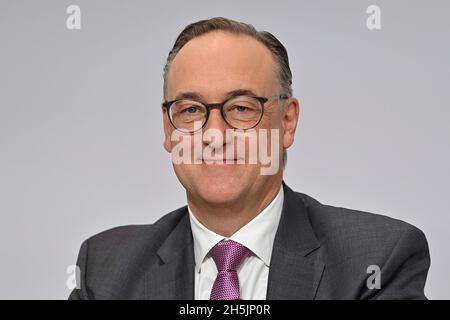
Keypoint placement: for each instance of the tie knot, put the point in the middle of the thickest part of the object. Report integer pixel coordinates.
(228, 255)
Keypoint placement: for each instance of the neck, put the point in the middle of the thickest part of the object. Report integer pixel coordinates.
(227, 218)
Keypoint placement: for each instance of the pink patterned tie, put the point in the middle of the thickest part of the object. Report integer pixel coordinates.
(228, 255)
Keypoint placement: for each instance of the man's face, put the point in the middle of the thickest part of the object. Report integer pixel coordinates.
(213, 65)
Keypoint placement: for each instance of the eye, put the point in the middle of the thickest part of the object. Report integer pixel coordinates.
(241, 108)
(191, 109)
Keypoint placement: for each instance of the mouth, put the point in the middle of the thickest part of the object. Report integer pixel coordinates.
(220, 162)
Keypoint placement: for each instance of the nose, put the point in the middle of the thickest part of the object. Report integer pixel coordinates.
(218, 124)
(216, 120)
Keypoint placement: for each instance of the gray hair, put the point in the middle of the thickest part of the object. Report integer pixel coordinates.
(202, 27)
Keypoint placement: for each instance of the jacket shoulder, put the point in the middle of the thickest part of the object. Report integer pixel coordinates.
(135, 234)
(354, 244)
(349, 232)
(113, 262)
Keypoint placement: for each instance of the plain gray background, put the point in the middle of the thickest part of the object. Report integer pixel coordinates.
(81, 131)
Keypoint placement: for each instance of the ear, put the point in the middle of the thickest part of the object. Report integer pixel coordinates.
(167, 130)
(290, 118)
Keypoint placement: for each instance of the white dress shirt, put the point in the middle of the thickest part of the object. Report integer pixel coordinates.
(257, 235)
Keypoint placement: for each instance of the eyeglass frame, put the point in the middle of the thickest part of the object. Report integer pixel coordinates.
(220, 105)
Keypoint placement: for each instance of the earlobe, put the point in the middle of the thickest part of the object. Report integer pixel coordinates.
(167, 145)
(290, 119)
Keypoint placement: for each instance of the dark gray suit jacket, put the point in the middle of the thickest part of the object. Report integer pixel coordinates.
(320, 252)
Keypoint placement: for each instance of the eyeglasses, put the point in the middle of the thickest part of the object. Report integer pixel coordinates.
(239, 112)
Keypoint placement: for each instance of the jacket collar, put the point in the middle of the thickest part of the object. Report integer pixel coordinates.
(296, 264)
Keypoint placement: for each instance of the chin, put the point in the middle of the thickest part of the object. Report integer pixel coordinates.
(217, 185)
(220, 191)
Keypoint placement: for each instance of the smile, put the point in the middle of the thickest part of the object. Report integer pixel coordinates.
(219, 162)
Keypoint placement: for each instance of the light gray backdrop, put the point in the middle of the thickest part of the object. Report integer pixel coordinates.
(81, 132)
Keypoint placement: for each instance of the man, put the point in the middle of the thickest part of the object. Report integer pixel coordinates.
(245, 234)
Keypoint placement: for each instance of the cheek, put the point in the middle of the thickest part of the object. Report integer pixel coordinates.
(271, 119)
(185, 175)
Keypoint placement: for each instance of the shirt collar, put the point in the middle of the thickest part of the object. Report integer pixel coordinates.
(257, 235)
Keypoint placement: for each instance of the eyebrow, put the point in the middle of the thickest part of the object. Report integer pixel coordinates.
(199, 97)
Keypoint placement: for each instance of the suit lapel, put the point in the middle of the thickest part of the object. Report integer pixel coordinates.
(296, 265)
(173, 278)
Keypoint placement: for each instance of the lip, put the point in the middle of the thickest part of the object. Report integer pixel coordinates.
(219, 162)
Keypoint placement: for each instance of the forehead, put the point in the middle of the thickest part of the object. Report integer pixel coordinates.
(219, 62)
